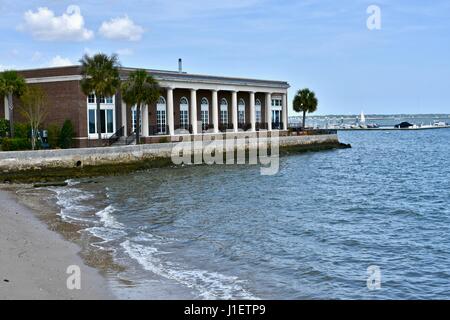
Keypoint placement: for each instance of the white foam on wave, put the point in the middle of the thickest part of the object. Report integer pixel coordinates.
(209, 285)
(107, 218)
(110, 228)
(69, 201)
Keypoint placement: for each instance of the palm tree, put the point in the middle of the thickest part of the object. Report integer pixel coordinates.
(140, 89)
(305, 101)
(100, 77)
(11, 84)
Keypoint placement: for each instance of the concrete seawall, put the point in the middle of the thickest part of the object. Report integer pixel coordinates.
(44, 165)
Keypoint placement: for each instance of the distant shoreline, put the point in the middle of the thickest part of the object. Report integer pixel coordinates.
(392, 129)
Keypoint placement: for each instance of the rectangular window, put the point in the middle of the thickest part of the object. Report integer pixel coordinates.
(223, 116)
(258, 116)
(110, 121)
(102, 99)
(204, 115)
(109, 100)
(241, 117)
(91, 98)
(184, 119)
(103, 121)
(161, 121)
(91, 121)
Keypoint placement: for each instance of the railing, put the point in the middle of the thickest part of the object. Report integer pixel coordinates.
(223, 127)
(158, 130)
(116, 136)
(277, 125)
(132, 137)
(207, 126)
(184, 128)
(245, 126)
(261, 126)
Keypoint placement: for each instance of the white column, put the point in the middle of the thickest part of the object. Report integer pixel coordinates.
(170, 119)
(6, 108)
(124, 118)
(269, 110)
(194, 111)
(145, 121)
(285, 112)
(234, 110)
(215, 111)
(252, 111)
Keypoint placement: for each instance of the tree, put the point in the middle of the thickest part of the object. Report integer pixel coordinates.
(11, 84)
(140, 89)
(100, 77)
(305, 101)
(66, 135)
(34, 108)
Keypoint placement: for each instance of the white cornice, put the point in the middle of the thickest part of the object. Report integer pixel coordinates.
(54, 79)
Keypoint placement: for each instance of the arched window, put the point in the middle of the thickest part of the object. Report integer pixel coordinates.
(204, 113)
(223, 102)
(161, 100)
(161, 121)
(241, 111)
(258, 117)
(184, 100)
(224, 111)
(184, 113)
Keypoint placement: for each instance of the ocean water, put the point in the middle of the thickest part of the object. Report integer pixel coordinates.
(309, 232)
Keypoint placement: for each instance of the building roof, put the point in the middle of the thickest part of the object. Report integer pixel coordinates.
(162, 75)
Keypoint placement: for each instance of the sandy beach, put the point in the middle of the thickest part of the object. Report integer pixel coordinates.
(34, 259)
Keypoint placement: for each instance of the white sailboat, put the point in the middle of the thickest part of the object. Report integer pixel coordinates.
(362, 120)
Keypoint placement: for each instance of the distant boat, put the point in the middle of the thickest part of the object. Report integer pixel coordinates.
(362, 118)
(404, 125)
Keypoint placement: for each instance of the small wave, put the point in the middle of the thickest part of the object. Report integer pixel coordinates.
(69, 201)
(108, 219)
(210, 285)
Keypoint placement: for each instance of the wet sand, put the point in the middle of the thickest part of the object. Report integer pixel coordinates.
(34, 259)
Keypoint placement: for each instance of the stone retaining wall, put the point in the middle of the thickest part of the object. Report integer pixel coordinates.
(72, 158)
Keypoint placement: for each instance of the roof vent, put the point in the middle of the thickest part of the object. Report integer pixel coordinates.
(180, 65)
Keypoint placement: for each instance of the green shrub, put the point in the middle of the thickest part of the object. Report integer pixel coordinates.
(4, 128)
(15, 144)
(54, 133)
(22, 130)
(67, 134)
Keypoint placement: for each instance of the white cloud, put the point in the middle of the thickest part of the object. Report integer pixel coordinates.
(44, 25)
(59, 61)
(121, 29)
(124, 52)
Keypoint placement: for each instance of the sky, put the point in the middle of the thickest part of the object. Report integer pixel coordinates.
(401, 67)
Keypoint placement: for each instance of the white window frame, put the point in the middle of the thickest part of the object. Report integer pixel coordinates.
(184, 113)
(161, 122)
(134, 119)
(258, 111)
(103, 106)
(224, 111)
(204, 112)
(241, 111)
